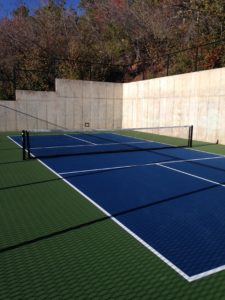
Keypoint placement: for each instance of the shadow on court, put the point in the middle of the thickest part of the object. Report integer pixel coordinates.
(103, 219)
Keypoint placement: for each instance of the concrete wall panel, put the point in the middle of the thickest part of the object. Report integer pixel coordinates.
(110, 114)
(69, 88)
(102, 114)
(42, 115)
(195, 98)
(118, 113)
(78, 114)
(221, 122)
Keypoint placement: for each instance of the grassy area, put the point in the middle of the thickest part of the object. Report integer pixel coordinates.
(56, 245)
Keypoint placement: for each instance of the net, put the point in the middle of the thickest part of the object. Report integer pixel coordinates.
(50, 143)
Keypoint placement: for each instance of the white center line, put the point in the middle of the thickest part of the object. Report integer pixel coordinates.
(76, 138)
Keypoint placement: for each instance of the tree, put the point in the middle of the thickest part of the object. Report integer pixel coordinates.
(134, 33)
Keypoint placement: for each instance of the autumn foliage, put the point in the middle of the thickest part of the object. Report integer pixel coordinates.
(107, 40)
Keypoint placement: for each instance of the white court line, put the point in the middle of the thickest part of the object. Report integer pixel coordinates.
(192, 175)
(146, 140)
(174, 267)
(172, 146)
(140, 165)
(76, 138)
(164, 259)
(91, 145)
(14, 141)
(153, 250)
(140, 139)
(215, 270)
(206, 273)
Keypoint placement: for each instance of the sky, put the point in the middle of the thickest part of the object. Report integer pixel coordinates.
(7, 6)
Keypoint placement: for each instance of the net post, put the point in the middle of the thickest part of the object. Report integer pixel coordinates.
(24, 144)
(190, 136)
(28, 144)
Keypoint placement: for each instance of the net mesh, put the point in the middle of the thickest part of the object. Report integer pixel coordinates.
(51, 143)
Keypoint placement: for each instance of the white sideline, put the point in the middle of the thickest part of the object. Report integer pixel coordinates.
(162, 164)
(164, 259)
(153, 250)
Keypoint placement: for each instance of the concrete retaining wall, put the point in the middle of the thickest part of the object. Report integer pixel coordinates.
(194, 98)
(72, 105)
(189, 99)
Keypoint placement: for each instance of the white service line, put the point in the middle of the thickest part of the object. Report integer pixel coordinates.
(76, 138)
(192, 175)
(139, 165)
(91, 145)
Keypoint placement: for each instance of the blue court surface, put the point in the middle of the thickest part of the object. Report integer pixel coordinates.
(172, 199)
